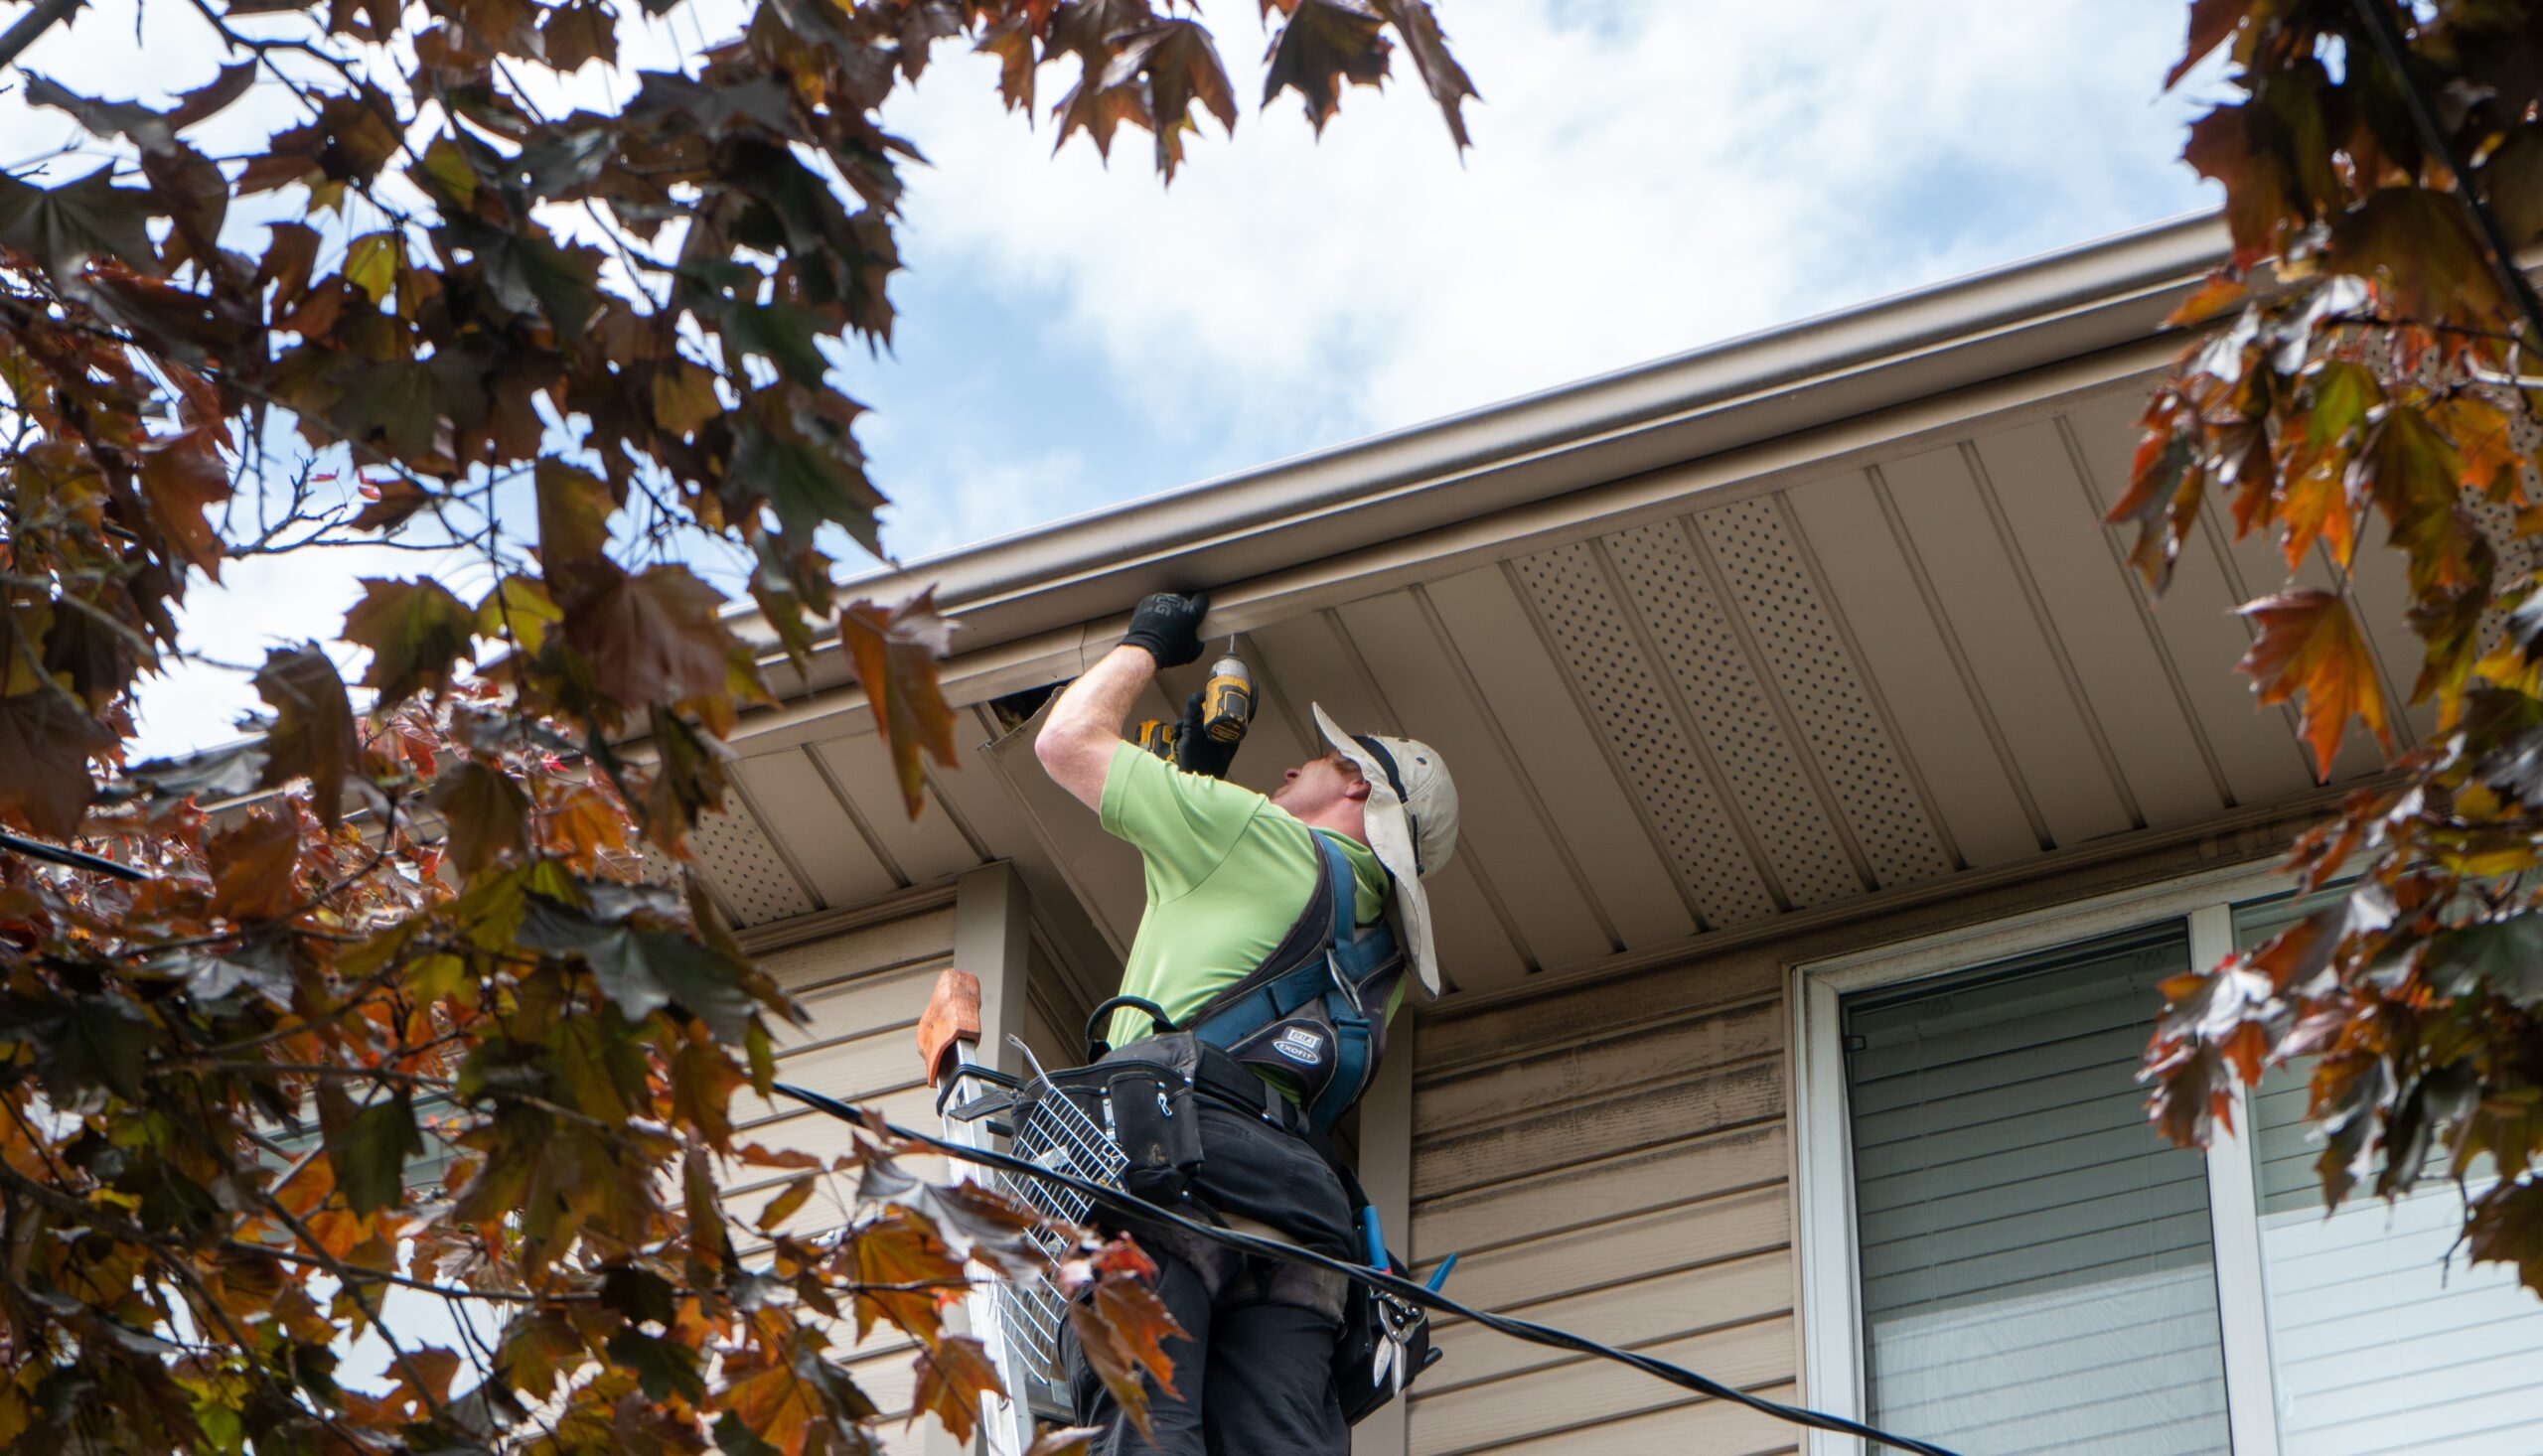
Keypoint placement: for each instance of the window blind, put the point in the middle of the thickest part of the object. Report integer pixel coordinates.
(2383, 1336)
(2036, 1261)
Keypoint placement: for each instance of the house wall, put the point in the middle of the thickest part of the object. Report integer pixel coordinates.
(1613, 1155)
(863, 979)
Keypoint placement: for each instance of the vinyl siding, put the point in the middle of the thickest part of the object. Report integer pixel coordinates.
(1612, 1161)
(863, 989)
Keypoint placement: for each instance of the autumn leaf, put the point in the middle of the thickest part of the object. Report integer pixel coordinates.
(251, 865)
(2419, 244)
(953, 1376)
(652, 638)
(903, 1275)
(67, 227)
(313, 735)
(2164, 487)
(1324, 45)
(485, 812)
(417, 631)
(2308, 643)
(2217, 293)
(895, 653)
(643, 971)
(2482, 435)
(1121, 1327)
(575, 34)
(2506, 1227)
(46, 742)
(2211, 22)
(2411, 473)
(784, 1206)
(183, 477)
(1450, 88)
(519, 611)
(371, 1155)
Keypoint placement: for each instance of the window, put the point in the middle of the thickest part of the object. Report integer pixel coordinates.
(2383, 1335)
(1998, 1255)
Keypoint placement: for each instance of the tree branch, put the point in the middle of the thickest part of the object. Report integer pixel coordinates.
(31, 27)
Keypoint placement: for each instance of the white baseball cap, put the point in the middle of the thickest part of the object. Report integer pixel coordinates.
(1412, 827)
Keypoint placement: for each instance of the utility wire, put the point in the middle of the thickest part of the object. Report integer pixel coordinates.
(1121, 1202)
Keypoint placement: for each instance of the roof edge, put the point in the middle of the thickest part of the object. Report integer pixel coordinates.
(1741, 391)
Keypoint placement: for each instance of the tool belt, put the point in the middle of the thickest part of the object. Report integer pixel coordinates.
(1154, 1085)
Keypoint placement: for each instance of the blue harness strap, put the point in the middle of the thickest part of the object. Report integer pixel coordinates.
(1315, 1010)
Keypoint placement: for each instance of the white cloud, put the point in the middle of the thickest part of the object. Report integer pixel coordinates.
(1649, 176)
(1646, 178)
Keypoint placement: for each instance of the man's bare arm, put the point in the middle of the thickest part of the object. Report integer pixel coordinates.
(1077, 741)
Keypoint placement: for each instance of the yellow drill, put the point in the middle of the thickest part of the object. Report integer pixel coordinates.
(1227, 710)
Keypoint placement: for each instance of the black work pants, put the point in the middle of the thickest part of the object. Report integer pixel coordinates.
(1256, 1375)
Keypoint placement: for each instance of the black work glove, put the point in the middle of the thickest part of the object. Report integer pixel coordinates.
(1168, 624)
(1196, 752)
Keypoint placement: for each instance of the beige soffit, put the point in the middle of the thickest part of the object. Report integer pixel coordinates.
(1026, 602)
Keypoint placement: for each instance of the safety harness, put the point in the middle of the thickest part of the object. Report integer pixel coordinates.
(1315, 1010)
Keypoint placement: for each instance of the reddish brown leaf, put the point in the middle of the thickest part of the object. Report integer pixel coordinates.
(2220, 291)
(2313, 505)
(417, 631)
(2164, 487)
(952, 1379)
(895, 653)
(2486, 458)
(2419, 247)
(1075, 1440)
(2210, 23)
(2512, 178)
(784, 1206)
(485, 811)
(904, 1274)
(1123, 1326)
(574, 34)
(183, 476)
(1450, 88)
(2506, 1227)
(573, 529)
(2308, 643)
(653, 639)
(313, 735)
(1324, 45)
(251, 868)
(1011, 41)
(2411, 471)
(46, 742)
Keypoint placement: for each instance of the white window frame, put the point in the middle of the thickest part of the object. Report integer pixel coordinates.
(1825, 1247)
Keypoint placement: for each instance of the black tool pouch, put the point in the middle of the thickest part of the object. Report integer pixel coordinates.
(1155, 1121)
(1372, 1319)
(1368, 1317)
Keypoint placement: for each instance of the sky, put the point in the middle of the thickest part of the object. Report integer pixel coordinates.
(1648, 177)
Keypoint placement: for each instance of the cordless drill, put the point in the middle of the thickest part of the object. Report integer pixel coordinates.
(1219, 714)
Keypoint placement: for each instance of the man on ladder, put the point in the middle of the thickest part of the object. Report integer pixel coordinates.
(1278, 933)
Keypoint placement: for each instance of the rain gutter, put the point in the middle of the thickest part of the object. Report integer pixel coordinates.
(1030, 606)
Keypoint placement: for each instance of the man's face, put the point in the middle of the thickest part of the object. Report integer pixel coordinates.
(1319, 783)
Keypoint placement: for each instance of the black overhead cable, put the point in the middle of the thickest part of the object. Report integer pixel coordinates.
(68, 858)
(1402, 1289)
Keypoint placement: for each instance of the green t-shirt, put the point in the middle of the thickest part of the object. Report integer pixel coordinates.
(1228, 872)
